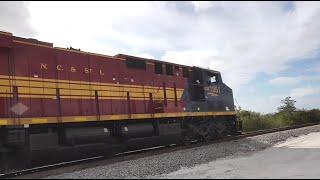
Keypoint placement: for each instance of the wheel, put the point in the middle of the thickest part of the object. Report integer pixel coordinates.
(188, 137)
(204, 131)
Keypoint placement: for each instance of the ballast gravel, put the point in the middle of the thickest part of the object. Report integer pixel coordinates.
(156, 165)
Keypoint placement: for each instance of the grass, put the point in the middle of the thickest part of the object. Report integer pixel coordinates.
(252, 121)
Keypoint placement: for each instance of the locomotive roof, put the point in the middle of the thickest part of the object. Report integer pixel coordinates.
(146, 59)
(117, 56)
(124, 56)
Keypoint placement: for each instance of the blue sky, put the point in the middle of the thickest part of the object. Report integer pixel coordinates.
(264, 50)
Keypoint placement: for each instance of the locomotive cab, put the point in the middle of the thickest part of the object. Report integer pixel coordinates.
(208, 92)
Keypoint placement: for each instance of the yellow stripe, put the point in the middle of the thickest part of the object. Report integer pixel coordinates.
(114, 117)
(41, 88)
(56, 83)
(44, 120)
(74, 94)
(82, 97)
(79, 119)
(3, 122)
(36, 96)
(5, 89)
(6, 95)
(39, 121)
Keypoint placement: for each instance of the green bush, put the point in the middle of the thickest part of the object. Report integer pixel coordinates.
(252, 121)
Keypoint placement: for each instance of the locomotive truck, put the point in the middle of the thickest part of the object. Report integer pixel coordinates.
(59, 104)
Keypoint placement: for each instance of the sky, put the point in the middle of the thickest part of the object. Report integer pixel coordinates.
(265, 51)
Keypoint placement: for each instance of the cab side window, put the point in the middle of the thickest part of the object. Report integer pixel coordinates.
(213, 79)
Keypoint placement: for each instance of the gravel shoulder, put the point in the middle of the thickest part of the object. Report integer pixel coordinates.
(158, 165)
(295, 158)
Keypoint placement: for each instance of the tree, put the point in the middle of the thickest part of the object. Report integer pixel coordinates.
(287, 105)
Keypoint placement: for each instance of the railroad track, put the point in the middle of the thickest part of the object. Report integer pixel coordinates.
(131, 155)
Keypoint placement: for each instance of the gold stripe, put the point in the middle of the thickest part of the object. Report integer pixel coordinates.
(33, 92)
(114, 117)
(56, 83)
(5, 89)
(78, 94)
(120, 117)
(36, 96)
(80, 119)
(6, 95)
(39, 121)
(82, 97)
(42, 88)
(3, 122)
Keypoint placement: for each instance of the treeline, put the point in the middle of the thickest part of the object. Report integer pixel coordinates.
(287, 115)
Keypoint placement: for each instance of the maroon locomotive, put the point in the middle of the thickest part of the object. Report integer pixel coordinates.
(72, 103)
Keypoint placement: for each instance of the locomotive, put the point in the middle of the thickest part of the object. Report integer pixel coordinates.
(59, 104)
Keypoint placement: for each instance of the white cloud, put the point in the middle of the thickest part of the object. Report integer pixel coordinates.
(263, 104)
(240, 39)
(289, 81)
(144, 55)
(89, 26)
(14, 18)
(315, 68)
(284, 81)
(304, 91)
(305, 97)
(196, 58)
(253, 37)
(202, 5)
(308, 102)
